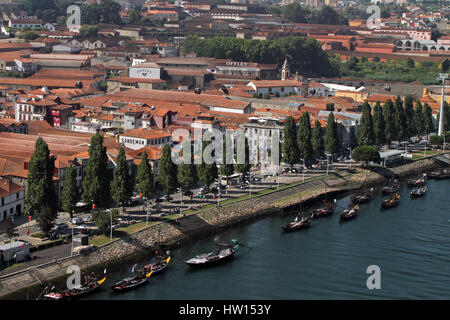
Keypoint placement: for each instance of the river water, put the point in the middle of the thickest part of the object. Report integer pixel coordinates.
(410, 244)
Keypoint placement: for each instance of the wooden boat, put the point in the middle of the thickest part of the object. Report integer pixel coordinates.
(390, 189)
(159, 266)
(441, 175)
(390, 203)
(349, 214)
(223, 254)
(417, 182)
(323, 212)
(297, 225)
(50, 293)
(88, 288)
(363, 198)
(420, 192)
(131, 282)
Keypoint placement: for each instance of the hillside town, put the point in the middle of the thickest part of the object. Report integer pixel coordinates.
(89, 113)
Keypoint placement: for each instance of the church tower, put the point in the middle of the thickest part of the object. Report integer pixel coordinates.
(285, 71)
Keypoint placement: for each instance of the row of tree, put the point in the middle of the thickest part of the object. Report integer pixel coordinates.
(397, 121)
(305, 54)
(304, 143)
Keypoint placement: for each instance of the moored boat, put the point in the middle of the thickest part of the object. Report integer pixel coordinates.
(363, 198)
(417, 182)
(441, 175)
(88, 288)
(50, 293)
(420, 192)
(224, 253)
(131, 282)
(158, 266)
(390, 203)
(390, 189)
(297, 225)
(349, 214)
(323, 212)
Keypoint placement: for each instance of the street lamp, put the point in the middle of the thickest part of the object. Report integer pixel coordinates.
(442, 77)
(303, 170)
(328, 162)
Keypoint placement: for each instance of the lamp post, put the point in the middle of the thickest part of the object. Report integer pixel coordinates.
(442, 77)
(71, 250)
(110, 229)
(303, 169)
(328, 162)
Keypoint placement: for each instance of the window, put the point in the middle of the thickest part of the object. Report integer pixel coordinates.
(17, 195)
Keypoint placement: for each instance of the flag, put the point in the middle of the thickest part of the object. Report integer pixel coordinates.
(296, 218)
(15, 255)
(132, 269)
(29, 218)
(22, 245)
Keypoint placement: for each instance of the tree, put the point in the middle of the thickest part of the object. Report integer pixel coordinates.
(317, 140)
(410, 63)
(446, 116)
(244, 168)
(291, 153)
(366, 153)
(295, 13)
(30, 35)
(96, 180)
(167, 174)
(87, 31)
(389, 120)
(428, 119)
(400, 120)
(436, 140)
(103, 220)
(40, 198)
(187, 173)
(409, 116)
(327, 15)
(226, 169)
(144, 177)
(418, 118)
(331, 135)
(69, 196)
(366, 134)
(445, 65)
(207, 173)
(10, 228)
(379, 125)
(121, 186)
(304, 137)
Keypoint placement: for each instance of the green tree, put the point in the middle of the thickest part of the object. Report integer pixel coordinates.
(317, 140)
(96, 180)
(40, 198)
(243, 168)
(87, 31)
(445, 65)
(409, 115)
(121, 186)
(419, 119)
(291, 153)
(428, 119)
(103, 219)
(379, 125)
(366, 133)
(69, 197)
(295, 13)
(327, 15)
(331, 135)
(187, 172)
(145, 178)
(389, 120)
(167, 174)
(436, 140)
(304, 137)
(400, 120)
(446, 116)
(10, 228)
(410, 63)
(207, 173)
(366, 153)
(226, 169)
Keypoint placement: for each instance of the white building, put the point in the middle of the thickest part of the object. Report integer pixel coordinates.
(146, 70)
(139, 138)
(23, 23)
(11, 199)
(272, 87)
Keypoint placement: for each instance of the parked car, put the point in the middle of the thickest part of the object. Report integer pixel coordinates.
(294, 170)
(87, 219)
(188, 193)
(214, 190)
(83, 249)
(167, 198)
(243, 187)
(77, 220)
(223, 187)
(159, 200)
(257, 179)
(285, 170)
(61, 226)
(204, 190)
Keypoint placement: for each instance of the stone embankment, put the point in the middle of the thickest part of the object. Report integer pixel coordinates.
(172, 234)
